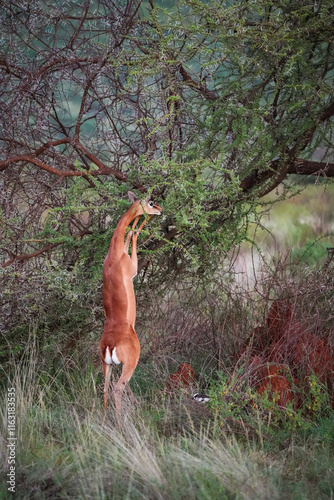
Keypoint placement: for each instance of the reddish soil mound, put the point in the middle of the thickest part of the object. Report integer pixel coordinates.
(274, 382)
(184, 377)
(313, 354)
(279, 319)
(284, 344)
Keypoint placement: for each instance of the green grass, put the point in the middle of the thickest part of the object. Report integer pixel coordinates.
(296, 222)
(167, 449)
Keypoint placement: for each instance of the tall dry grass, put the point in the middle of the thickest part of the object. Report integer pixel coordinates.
(68, 448)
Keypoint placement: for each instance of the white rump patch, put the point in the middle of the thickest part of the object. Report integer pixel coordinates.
(111, 358)
(114, 357)
(107, 358)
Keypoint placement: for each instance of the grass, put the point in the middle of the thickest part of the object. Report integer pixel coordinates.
(297, 221)
(167, 449)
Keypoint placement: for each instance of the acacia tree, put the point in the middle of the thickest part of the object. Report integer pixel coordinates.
(208, 105)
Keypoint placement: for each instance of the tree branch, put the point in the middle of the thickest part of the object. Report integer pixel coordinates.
(293, 164)
(305, 167)
(298, 166)
(46, 248)
(103, 169)
(31, 255)
(208, 94)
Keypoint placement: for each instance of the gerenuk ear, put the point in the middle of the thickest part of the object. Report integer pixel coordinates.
(148, 197)
(132, 196)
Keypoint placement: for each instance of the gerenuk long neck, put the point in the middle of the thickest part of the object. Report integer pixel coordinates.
(117, 242)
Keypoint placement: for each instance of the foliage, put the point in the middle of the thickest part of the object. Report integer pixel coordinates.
(239, 405)
(207, 105)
